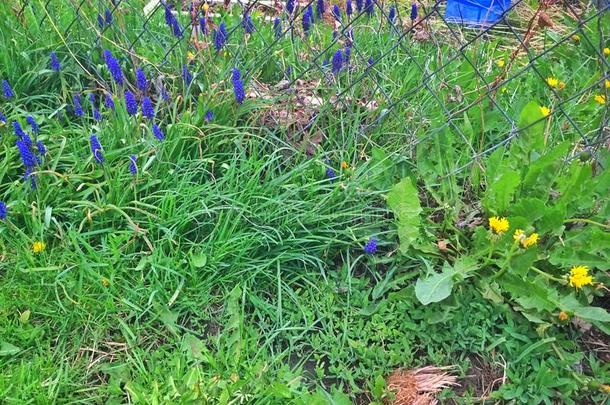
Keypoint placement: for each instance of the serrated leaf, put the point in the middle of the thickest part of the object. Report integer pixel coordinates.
(500, 192)
(403, 200)
(436, 287)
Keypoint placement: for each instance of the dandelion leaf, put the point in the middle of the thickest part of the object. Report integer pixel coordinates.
(403, 200)
(435, 287)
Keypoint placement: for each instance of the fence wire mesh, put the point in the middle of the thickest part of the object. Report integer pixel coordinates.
(310, 67)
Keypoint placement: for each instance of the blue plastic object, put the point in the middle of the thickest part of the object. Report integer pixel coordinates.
(478, 13)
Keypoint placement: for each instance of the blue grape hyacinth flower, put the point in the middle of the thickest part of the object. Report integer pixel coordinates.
(96, 114)
(141, 80)
(413, 12)
(349, 9)
(113, 66)
(330, 173)
(3, 210)
(100, 21)
(18, 130)
(203, 26)
(347, 53)
(109, 101)
(42, 150)
(28, 159)
(78, 107)
(157, 133)
(370, 248)
(247, 24)
(108, 16)
(277, 27)
(96, 149)
(2, 118)
(369, 7)
(392, 14)
(55, 65)
(290, 6)
(33, 124)
(337, 61)
(307, 20)
(359, 5)
(221, 35)
(186, 75)
(130, 103)
(337, 12)
(148, 110)
(7, 89)
(133, 168)
(320, 9)
(209, 116)
(238, 86)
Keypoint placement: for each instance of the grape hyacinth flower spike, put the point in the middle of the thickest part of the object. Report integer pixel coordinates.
(209, 116)
(96, 149)
(290, 6)
(108, 16)
(157, 133)
(359, 5)
(148, 111)
(3, 210)
(413, 12)
(100, 21)
(186, 75)
(33, 125)
(114, 67)
(248, 24)
(55, 65)
(78, 107)
(18, 130)
(238, 86)
(2, 118)
(221, 35)
(109, 101)
(133, 169)
(320, 9)
(392, 14)
(337, 61)
(7, 90)
(337, 12)
(349, 9)
(307, 19)
(141, 80)
(369, 7)
(130, 103)
(370, 248)
(277, 27)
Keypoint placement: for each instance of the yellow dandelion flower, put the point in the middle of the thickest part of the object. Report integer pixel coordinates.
(524, 240)
(563, 316)
(607, 83)
(500, 63)
(576, 38)
(38, 247)
(190, 56)
(105, 282)
(498, 225)
(607, 51)
(579, 276)
(504, 89)
(546, 111)
(600, 98)
(344, 165)
(552, 81)
(605, 388)
(205, 7)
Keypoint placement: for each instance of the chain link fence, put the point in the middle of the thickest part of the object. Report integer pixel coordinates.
(391, 67)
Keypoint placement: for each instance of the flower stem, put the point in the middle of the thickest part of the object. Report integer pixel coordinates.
(588, 221)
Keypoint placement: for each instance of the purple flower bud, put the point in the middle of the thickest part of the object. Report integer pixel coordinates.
(114, 67)
(109, 101)
(209, 116)
(248, 24)
(349, 9)
(18, 130)
(33, 124)
(7, 90)
(157, 133)
(55, 65)
(238, 86)
(370, 248)
(413, 11)
(337, 12)
(133, 169)
(337, 61)
(369, 7)
(3, 210)
(78, 107)
(148, 111)
(141, 81)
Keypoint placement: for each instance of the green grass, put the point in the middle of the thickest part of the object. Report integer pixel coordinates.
(230, 269)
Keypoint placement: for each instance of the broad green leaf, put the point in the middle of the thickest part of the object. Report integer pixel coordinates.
(499, 193)
(541, 172)
(199, 260)
(592, 314)
(8, 349)
(436, 287)
(403, 200)
(531, 129)
(588, 246)
(530, 208)
(530, 294)
(520, 263)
